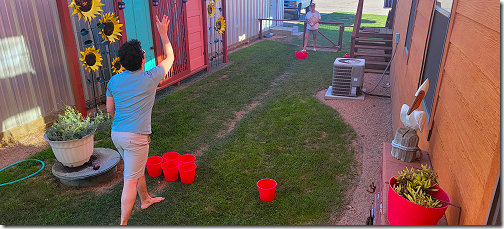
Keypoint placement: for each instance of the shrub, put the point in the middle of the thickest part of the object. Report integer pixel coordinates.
(72, 125)
(417, 185)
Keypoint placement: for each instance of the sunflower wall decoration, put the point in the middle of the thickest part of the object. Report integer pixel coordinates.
(220, 25)
(211, 9)
(91, 59)
(111, 28)
(86, 8)
(116, 66)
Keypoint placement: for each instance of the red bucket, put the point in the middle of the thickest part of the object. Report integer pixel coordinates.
(154, 166)
(347, 55)
(170, 170)
(171, 156)
(401, 211)
(267, 189)
(305, 54)
(186, 158)
(187, 172)
(299, 55)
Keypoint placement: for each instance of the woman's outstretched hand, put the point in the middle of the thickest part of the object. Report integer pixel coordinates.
(162, 25)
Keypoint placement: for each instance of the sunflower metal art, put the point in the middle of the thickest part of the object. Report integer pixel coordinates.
(112, 28)
(116, 66)
(220, 25)
(91, 59)
(211, 9)
(86, 8)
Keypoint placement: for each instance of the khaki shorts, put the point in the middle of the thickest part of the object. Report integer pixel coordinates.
(312, 31)
(134, 149)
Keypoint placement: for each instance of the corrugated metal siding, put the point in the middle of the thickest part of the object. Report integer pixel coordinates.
(108, 52)
(34, 78)
(242, 18)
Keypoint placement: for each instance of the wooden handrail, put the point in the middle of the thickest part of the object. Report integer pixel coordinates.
(340, 24)
(356, 27)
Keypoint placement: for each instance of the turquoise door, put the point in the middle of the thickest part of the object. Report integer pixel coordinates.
(138, 26)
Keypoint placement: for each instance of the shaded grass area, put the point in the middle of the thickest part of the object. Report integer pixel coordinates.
(285, 134)
(332, 32)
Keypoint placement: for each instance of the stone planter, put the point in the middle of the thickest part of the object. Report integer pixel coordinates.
(73, 153)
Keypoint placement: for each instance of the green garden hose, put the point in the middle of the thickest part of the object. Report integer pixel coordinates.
(43, 165)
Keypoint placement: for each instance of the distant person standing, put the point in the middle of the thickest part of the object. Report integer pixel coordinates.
(312, 20)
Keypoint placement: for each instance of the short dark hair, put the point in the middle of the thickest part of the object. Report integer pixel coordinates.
(131, 55)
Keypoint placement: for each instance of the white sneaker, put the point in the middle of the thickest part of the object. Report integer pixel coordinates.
(314, 49)
(304, 50)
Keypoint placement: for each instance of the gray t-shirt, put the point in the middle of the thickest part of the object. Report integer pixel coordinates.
(312, 17)
(133, 94)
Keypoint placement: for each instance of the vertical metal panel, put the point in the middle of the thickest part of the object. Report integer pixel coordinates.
(94, 83)
(34, 77)
(242, 18)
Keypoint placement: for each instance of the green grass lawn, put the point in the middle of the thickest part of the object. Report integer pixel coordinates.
(284, 133)
(332, 32)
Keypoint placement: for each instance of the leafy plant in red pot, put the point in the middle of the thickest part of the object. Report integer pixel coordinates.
(413, 198)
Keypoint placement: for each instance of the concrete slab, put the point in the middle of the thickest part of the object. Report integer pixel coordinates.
(328, 95)
(85, 175)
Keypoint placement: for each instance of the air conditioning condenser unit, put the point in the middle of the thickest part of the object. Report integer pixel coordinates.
(347, 80)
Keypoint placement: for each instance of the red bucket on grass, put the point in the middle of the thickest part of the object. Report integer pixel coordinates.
(401, 211)
(267, 189)
(299, 55)
(347, 55)
(187, 172)
(305, 54)
(186, 158)
(154, 166)
(170, 170)
(171, 156)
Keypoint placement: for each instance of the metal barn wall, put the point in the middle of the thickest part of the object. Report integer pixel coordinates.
(34, 76)
(94, 83)
(242, 18)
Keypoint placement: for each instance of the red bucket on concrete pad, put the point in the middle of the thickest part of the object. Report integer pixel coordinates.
(171, 156)
(186, 158)
(154, 166)
(187, 172)
(401, 211)
(267, 189)
(170, 170)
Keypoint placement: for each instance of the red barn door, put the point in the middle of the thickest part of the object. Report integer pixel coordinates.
(195, 34)
(187, 36)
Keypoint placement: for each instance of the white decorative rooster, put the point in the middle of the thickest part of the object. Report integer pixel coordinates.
(409, 116)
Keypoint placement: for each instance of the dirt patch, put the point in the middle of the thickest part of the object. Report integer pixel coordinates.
(239, 116)
(202, 150)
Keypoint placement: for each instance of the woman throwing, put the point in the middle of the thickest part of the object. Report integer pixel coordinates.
(130, 97)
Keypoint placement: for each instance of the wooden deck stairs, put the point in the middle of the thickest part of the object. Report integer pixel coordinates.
(374, 44)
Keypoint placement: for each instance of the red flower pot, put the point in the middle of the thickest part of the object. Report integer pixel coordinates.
(401, 211)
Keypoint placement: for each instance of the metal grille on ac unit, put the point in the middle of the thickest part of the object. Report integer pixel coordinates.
(348, 74)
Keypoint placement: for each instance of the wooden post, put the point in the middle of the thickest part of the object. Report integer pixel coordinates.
(408, 138)
(260, 28)
(340, 39)
(205, 34)
(120, 14)
(224, 35)
(304, 32)
(71, 58)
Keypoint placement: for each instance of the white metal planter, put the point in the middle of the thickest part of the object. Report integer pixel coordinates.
(73, 153)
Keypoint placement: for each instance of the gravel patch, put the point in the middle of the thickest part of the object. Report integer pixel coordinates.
(371, 119)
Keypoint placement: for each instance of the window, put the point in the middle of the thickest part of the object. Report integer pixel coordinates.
(437, 40)
(388, 3)
(410, 25)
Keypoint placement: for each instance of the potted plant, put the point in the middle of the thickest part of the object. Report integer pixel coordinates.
(71, 136)
(414, 198)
